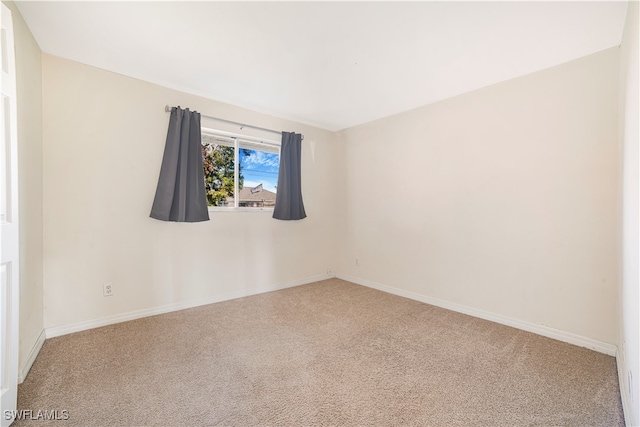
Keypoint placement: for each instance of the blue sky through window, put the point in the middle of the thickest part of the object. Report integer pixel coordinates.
(260, 167)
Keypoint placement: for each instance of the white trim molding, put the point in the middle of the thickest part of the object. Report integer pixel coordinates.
(152, 311)
(35, 350)
(624, 388)
(543, 330)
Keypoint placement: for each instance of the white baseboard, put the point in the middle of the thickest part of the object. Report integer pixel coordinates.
(132, 315)
(35, 350)
(546, 331)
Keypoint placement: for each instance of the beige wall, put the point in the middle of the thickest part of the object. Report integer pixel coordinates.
(629, 336)
(104, 138)
(29, 101)
(505, 199)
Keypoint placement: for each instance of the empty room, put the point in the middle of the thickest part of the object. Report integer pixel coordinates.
(320, 213)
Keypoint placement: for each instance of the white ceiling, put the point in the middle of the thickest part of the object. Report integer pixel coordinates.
(330, 64)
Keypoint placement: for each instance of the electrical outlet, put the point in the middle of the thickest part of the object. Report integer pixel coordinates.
(107, 289)
(329, 272)
(357, 262)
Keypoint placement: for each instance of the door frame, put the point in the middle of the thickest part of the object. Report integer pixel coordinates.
(9, 227)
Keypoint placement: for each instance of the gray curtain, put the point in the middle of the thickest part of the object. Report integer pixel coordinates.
(180, 195)
(289, 204)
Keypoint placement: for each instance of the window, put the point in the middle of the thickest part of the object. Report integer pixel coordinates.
(239, 172)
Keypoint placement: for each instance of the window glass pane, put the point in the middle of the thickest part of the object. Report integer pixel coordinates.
(258, 175)
(219, 163)
(257, 163)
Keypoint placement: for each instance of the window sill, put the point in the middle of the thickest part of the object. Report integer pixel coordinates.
(216, 209)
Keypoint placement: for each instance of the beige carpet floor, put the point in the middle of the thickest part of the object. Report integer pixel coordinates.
(328, 353)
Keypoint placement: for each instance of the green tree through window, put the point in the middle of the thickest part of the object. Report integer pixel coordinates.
(219, 168)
